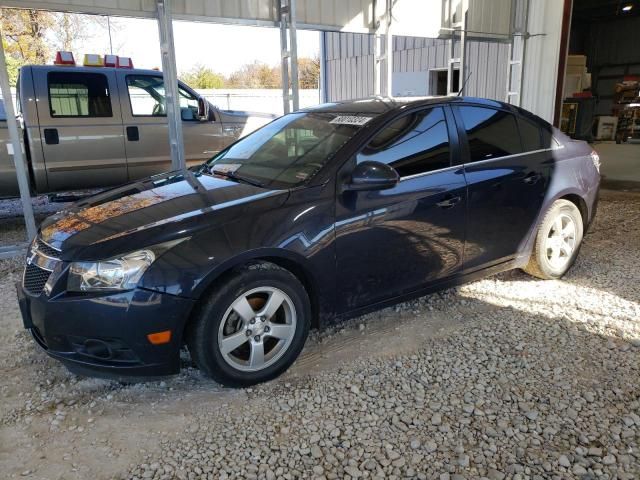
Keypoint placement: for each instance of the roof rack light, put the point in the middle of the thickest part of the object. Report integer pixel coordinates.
(64, 58)
(124, 62)
(93, 60)
(110, 60)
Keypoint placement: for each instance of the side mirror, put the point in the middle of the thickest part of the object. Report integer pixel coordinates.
(203, 109)
(370, 175)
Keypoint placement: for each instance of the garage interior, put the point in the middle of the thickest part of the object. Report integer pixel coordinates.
(601, 97)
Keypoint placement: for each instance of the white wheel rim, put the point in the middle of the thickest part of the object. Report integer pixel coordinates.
(561, 241)
(257, 329)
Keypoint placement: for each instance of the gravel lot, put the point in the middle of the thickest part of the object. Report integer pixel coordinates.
(508, 377)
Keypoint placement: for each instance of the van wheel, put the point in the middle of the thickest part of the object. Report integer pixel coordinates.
(252, 327)
(557, 242)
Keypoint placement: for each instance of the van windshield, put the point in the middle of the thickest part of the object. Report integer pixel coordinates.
(288, 151)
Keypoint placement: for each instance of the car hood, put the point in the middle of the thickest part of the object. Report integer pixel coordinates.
(154, 206)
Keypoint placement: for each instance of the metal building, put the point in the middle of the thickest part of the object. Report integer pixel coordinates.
(349, 66)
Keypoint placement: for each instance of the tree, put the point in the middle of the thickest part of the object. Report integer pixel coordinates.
(255, 75)
(25, 33)
(32, 36)
(202, 77)
(309, 72)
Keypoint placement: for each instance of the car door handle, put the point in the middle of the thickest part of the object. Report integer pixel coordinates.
(449, 201)
(532, 178)
(51, 136)
(133, 135)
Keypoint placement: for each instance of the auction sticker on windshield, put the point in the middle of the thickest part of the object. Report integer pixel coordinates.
(350, 120)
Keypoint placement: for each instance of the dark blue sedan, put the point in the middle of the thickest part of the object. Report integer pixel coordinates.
(323, 214)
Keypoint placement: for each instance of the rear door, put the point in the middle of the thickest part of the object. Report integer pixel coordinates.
(147, 129)
(391, 242)
(80, 128)
(506, 183)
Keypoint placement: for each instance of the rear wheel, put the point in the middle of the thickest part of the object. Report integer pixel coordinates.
(557, 241)
(252, 328)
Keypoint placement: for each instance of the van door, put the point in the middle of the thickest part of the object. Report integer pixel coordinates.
(147, 129)
(80, 128)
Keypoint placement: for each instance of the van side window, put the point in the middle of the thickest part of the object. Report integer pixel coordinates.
(530, 135)
(78, 95)
(415, 143)
(490, 133)
(147, 98)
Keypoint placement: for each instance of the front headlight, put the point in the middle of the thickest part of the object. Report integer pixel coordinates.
(122, 273)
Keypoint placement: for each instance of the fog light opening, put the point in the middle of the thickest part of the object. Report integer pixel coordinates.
(97, 348)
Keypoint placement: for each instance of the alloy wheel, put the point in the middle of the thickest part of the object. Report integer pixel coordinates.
(257, 329)
(561, 241)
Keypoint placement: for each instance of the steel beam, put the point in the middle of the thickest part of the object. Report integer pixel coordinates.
(170, 76)
(284, 56)
(322, 83)
(289, 54)
(18, 157)
(388, 51)
(463, 43)
(293, 41)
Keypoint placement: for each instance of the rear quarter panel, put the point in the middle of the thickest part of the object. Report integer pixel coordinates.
(573, 174)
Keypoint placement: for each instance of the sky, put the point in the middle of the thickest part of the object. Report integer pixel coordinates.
(223, 48)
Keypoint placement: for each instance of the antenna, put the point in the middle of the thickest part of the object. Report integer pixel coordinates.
(464, 84)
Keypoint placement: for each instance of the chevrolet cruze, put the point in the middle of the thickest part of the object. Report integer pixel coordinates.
(322, 214)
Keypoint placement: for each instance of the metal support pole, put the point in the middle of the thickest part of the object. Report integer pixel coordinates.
(377, 63)
(284, 54)
(18, 158)
(463, 42)
(293, 42)
(452, 49)
(289, 53)
(170, 76)
(322, 83)
(389, 50)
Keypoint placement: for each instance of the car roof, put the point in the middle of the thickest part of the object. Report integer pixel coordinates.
(380, 105)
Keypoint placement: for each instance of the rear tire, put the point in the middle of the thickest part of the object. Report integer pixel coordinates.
(557, 242)
(252, 327)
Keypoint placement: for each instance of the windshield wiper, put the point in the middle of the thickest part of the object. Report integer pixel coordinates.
(236, 177)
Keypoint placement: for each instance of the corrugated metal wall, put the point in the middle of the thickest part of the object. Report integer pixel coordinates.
(349, 63)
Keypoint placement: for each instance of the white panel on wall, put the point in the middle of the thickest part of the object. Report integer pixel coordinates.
(541, 58)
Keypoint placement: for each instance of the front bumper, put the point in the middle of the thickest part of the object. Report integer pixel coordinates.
(106, 335)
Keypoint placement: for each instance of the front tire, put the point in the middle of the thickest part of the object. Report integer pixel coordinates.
(557, 242)
(252, 327)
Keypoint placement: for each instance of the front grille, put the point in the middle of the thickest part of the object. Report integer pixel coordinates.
(34, 279)
(47, 250)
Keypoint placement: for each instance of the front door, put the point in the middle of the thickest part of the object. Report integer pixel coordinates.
(81, 129)
(507, 179)
(392, 242)
(147, 130)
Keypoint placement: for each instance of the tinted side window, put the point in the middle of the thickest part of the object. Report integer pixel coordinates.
(530, 135)
(78, 95)
(548, 140)
(415, 143)
(491, 133)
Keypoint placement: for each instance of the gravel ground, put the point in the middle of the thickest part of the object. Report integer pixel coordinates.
(508, 377)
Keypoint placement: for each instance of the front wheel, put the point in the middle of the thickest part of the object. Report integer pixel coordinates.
(557, 241)
(251, 328)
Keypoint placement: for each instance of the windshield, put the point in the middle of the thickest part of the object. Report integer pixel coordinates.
(288, 151)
